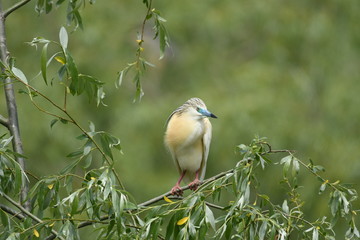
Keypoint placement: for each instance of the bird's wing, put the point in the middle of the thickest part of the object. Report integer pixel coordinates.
(171, 150)
(206, 147)
(173, 155)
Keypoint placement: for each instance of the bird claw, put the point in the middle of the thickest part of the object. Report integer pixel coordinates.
(176, 190)
(194, 184)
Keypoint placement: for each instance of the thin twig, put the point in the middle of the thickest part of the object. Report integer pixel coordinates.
(15, 7)
(270, 150)
(141, 40)
(32, 216)
(49, 113)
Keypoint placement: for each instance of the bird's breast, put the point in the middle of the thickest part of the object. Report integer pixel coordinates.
(183, 131)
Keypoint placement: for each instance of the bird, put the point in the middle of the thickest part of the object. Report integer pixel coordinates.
(187, 137)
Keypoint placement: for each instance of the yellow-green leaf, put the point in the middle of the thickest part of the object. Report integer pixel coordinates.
(182, 221)
(50, 186)
(36, 233)
(60, 60)
(168, 200)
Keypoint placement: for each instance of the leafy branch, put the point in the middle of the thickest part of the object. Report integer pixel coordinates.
(75, 88)
(22, 209)
(140, 63)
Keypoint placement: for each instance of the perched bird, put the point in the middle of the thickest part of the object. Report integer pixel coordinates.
(188, 137)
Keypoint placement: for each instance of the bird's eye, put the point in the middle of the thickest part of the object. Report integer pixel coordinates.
(198, 109)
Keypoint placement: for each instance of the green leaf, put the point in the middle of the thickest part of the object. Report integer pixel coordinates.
(322, 187)
(106, 145)
(19, 74)
(262, 161)
(88, 161)
(4, 219)
(286, 161)
(75, 154)
(6, 141)
(209, 217)
(69, 167)
(63, 121)
(61, 72)
(170, 227)
(91, 126)
(163, 41)
(107, 142)
(63, 36)
(315, 235)
(18, 178)
(48, 6)
(39, 6)
(13, 236)
(52, 123)
(74, 85)
(285, 207)
(262, 230)
(296, 166)
(44, 62)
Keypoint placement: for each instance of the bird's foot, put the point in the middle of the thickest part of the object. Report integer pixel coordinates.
(176, 190)
(194, 184)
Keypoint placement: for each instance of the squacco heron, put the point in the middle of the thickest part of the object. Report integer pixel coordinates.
(188, 137)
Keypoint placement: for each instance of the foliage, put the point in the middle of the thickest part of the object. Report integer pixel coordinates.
(140, 63)
(82, 194)
(250, 214)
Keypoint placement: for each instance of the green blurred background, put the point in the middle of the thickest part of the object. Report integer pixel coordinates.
(287, 70)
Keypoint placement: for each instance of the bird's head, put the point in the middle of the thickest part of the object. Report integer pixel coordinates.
(197, 107)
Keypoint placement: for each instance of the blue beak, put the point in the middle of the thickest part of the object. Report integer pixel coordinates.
(206, 113)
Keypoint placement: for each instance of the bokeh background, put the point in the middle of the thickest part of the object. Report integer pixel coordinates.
(285, 70)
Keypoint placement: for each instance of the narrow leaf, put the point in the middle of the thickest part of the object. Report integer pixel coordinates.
(36, 233)
(52, 123)
(262, 230)
(182, 221)
(168, 200)
(209, 217)
(63, 36)
(60, 60)
(44, 62)
(315, 235)
(285, 207)
(19, 74)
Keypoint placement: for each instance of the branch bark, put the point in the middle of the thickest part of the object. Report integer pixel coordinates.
(15, 7)
(12, 212)
(4, 121)
(13, 123)
(161, 197)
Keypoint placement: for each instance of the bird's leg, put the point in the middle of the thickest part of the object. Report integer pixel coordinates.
(176, 190)
(194, 184)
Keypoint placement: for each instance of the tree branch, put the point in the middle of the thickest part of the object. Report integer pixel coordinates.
(73, 121)
(32, 216)
(12, 212)
(13, 122)
(4, 121)
(161, 197)
(15, 7)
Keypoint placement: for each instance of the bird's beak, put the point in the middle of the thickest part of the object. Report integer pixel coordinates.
(208, 114)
